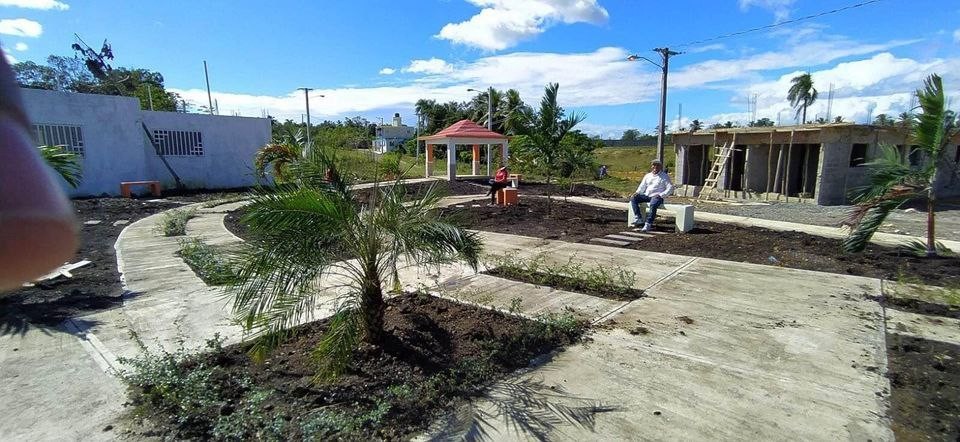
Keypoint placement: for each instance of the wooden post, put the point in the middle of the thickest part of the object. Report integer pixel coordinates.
(476, 160)
(786, 171)
(806, 168)
(766, 193)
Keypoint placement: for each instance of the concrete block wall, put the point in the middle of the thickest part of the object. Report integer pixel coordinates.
(229, 146)
(117, 149)
(756, 168)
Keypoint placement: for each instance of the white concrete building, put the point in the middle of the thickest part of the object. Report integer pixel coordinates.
(389, 137)
(110, 133)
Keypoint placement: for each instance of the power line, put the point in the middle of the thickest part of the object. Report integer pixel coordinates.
(761, 28)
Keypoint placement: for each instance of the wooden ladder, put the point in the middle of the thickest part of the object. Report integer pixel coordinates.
(719, 163)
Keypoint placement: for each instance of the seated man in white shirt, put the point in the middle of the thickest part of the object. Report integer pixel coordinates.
(653, 188)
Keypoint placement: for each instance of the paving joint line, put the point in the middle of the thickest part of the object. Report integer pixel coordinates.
(607, 315)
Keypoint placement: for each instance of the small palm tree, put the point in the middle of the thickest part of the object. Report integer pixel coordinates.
(64, 162)
(314, 227)
(544, 132)
(893, 182)
(802, 94)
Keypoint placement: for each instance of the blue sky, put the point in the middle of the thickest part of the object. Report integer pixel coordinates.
(373, 58)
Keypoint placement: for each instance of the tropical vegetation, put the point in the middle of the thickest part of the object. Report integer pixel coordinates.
(801, 95)
(313, 227)
(65, 163)
(893, 181)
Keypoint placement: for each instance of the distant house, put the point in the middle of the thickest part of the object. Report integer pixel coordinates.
(117, 141)
(819, 164)
(389, 137)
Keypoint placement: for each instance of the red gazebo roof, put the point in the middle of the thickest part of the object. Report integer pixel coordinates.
(465, 129)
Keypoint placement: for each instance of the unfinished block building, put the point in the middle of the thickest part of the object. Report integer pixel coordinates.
(811, 163)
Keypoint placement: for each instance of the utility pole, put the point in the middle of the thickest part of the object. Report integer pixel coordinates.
(417, 154)
(665, 54)
(150, 96)
(306, 95)
(490, 127)
(209, 99)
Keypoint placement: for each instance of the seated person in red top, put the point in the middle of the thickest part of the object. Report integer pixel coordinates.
(498, 182)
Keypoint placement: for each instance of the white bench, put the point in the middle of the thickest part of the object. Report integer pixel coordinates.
(682, 213)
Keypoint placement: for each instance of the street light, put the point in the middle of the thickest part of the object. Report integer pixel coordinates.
(306, 95)
(665, 54)
(489, 121)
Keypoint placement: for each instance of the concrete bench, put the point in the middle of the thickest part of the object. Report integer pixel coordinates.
(682, 213)
(126, 185)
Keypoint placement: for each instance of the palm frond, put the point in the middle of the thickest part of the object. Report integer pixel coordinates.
(870, 219)
(887, 173)
(65, 163)
(930, 131)
(279, 156)
(332, 355)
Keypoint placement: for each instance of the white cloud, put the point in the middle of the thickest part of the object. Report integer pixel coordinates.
(387, 71)
(21, 46)
(863, 89)
(865, 75)
(431, 66)
(20, 27)
(36, 4)
(780, 8)
(810, 53)
(956, 36)
(706, 48)
(502, 24)
(10, 58)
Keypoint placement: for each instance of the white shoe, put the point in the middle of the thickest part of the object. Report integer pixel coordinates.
(646, 228)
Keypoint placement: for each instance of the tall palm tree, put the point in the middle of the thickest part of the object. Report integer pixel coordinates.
(314, 227)
(893, 182)
(64, 163)
(802, 94)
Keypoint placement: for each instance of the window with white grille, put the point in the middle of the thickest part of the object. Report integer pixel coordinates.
(64, 135)
(178, 142)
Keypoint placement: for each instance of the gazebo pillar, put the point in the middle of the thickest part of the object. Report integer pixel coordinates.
(428, 167)
(451, 160)
(505, 152)
(476, 160)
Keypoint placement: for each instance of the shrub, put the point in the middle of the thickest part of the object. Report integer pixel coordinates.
(211, 265)
(174, 222)
(611, 282)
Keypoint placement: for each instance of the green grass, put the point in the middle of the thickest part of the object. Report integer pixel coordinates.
(210, 264)
(174, 222)
(628, 165)
(605, 281)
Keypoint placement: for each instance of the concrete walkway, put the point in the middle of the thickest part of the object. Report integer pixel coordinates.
(717, 350)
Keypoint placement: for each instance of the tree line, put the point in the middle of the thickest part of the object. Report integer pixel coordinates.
(88, 71)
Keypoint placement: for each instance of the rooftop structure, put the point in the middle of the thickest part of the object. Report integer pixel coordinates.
(464, 132)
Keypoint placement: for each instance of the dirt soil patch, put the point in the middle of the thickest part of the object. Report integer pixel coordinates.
(436, 354)
(577, 189)
(925, 377)
(96, 286)
(579, 223)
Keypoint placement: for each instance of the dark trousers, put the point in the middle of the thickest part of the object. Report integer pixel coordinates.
(655, 203)
(495, 186)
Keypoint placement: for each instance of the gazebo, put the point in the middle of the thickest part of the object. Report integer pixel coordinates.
(463, 132)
